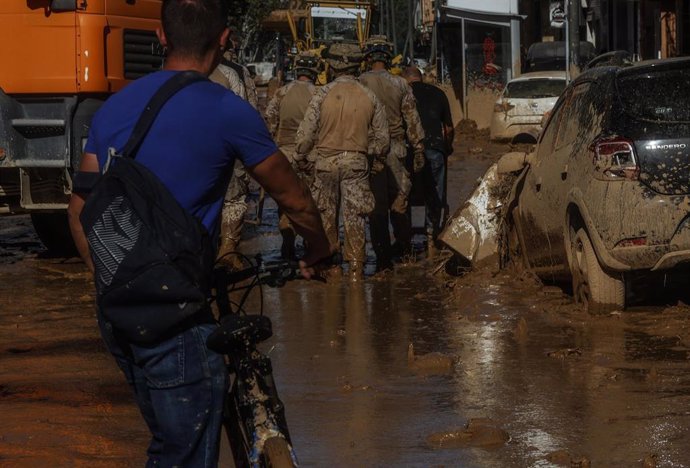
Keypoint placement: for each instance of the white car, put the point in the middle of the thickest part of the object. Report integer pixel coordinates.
(524, 102)
(263, 72)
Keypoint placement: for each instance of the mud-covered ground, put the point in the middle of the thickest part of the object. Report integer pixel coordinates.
(518, 375)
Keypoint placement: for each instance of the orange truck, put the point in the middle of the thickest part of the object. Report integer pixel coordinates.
(60, 60)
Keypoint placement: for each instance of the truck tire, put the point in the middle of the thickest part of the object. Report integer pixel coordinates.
(599, 290)
(53, 230)
(277, 453)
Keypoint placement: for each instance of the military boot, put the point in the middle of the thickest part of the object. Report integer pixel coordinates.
(356, 270)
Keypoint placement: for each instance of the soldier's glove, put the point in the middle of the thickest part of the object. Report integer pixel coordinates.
(418, 163)
(377, 166)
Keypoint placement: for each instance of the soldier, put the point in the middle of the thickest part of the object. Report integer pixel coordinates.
(237, 79)
(338, 122)
(283, 115)
(391, 185)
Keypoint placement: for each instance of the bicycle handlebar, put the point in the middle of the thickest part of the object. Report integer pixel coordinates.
(273, 273)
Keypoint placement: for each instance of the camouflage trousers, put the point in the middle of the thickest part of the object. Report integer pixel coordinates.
(399, 180)
(343, 180)
(391, 188)
(234, 209)
(284, 225)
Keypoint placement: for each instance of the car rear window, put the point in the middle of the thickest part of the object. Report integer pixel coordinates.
(660, 96)
(534, 89)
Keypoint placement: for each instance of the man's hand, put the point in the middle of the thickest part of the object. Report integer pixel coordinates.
(419, 162)
(305, 166)
(312, 268)
(377, 166)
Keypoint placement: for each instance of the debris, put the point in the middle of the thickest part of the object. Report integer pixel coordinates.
(432, 363)
(564, 353)
(476, 150)
(481, 432)
(521, 331)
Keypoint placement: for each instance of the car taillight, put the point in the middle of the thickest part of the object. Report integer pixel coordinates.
(615, 159)
(503, 106)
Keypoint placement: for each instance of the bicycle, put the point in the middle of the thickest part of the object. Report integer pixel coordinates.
(254, 415)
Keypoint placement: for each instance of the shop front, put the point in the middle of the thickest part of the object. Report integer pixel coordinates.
(481, 52)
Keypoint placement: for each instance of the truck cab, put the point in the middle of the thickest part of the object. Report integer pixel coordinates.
(61, 59)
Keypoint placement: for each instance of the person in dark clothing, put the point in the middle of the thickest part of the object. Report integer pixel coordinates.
(434, 112)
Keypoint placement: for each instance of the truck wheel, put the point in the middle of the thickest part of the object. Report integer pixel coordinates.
(53, 230)
(599, 290)
(277, 453)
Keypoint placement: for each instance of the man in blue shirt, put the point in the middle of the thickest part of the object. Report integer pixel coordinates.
(192, 146)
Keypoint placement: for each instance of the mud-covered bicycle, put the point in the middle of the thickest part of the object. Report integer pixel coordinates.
(254, 415)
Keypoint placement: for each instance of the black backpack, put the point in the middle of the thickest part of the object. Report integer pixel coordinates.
(153, 260)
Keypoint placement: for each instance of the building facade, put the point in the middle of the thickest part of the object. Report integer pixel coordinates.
(480, 50)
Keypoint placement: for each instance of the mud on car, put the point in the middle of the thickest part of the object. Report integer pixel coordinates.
(605, 195)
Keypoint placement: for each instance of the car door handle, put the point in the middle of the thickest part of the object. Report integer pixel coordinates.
(564, 173)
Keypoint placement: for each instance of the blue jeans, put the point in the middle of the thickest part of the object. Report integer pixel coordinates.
(180, 387)
(435, 190)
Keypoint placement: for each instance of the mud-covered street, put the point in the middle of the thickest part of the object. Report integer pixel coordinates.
(502, 370)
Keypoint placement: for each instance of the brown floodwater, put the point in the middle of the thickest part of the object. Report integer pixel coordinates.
(502, 371)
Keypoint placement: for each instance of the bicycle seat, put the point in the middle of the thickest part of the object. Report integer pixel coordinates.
(236, 331)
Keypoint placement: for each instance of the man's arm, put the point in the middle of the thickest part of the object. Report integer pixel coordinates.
(306, 133)
(250, 88)
(379, 141)
(272, 114)
(415, 131)
(89, 163)
(275, 174)
(448, 130)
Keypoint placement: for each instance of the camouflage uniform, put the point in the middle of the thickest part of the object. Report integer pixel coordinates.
(284, 113)
(392, 184)
(338, 122)
(227, 74)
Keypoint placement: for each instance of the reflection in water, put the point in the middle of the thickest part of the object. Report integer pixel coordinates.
(351, 399)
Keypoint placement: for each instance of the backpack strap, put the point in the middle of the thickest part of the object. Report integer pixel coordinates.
(154, 106)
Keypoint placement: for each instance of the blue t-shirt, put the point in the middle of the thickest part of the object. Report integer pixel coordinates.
(193, 142)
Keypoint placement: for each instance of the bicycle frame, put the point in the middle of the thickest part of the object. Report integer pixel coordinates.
(253, 411)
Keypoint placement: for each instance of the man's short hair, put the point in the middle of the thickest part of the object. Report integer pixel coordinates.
(192, 27)
(412, 72)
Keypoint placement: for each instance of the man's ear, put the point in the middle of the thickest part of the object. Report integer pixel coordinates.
(224, 38)
(161, 37)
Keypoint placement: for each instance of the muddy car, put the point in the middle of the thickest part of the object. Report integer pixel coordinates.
(606, 193)
(523, 103)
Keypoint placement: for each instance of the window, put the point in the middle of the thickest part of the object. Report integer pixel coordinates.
(574, 114)
(549, 134)
(660, 96)
(534, 88)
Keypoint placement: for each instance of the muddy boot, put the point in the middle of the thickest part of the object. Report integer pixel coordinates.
(356, 270)
(333, 273)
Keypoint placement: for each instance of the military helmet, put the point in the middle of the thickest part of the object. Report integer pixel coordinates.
(378, 48)
(306, 64)
(341, 57)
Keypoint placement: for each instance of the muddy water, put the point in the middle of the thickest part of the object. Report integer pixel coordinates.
(502, 372)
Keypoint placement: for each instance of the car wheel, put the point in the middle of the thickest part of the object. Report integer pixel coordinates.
(598, 290)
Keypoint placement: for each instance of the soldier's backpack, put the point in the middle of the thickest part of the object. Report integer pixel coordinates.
(152, 259)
